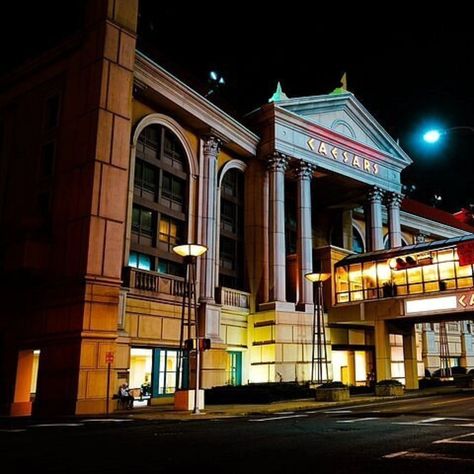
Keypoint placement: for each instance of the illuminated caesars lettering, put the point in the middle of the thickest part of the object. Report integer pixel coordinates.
(356, 161)
(466, 300)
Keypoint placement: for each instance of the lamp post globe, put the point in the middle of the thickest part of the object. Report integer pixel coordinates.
(431, 136)
(190, 252)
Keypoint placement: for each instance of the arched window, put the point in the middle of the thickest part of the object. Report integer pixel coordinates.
(159, 201)
(357, 241)
(386, 242)
(231, 254)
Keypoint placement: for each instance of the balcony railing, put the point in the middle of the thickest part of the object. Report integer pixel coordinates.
(233, 298)
(152, 282)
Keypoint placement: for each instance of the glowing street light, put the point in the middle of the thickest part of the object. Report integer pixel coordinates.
(319, 333)
(190, 252)
(433, 136)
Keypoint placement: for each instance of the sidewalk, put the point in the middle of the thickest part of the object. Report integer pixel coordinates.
(167, 412)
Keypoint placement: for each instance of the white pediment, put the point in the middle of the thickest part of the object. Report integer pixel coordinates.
(345, 115)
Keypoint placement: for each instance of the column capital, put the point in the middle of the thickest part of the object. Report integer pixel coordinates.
(211, 145)
(393, 199)
(277, 162)
(304, 170)
(375, 194)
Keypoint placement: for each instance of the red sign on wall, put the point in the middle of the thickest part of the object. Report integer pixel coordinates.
(109, 357)
(465, 253)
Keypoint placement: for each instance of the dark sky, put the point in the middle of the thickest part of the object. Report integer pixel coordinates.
(409, 70)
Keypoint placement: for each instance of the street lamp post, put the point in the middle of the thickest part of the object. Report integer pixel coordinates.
(319, 333)
(190, 252)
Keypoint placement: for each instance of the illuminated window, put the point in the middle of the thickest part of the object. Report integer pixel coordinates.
(231, 254)
(160, 194)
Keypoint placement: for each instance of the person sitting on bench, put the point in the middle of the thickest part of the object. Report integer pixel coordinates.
(125, 396)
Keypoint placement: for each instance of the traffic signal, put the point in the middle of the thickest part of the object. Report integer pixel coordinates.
(189, 344)
(204, 344)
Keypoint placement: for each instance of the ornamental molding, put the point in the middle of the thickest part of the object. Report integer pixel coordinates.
(375, 195)
(393, 200)
(277, 162)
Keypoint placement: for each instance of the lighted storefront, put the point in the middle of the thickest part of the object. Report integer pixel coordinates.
(415, 269)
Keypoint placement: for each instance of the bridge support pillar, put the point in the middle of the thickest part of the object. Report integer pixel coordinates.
(409, 355)
(382, 351)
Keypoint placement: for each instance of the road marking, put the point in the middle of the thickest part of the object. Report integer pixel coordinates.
(455, 439)
(335, 412)
(395, 455)
(105, 420)
(54, 425)
(13, 430)
(284, 413)
(359, 419)
(431, 420)
(279, 418)
(452, 401)
(430, 456)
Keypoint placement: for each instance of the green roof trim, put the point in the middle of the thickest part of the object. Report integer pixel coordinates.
(278, 95)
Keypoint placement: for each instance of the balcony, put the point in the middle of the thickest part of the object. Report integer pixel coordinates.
(233, 299)
(152, 284)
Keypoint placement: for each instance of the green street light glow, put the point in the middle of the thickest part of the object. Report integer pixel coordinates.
(432, 136)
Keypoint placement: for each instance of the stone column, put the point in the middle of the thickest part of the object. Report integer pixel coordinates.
(410, 359)
(277, 165)
(210, 150)
(382, 351)
(375, 230)
(393, 210)
(304, 172)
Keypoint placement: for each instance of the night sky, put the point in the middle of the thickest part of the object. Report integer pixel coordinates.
(409, 71)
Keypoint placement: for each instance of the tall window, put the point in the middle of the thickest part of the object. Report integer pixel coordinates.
(357, 242)
(159, 203)
(231, 255)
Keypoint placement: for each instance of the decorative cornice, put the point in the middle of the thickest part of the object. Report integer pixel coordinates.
(375, 195)
(161, 81)
(277, 162)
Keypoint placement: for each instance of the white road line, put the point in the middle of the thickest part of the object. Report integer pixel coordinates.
(14, 430)
(430, 456)
(334, 412)
(431, 420)
(54, 425)
(283, 413)
(105, 420)
(359, 419)
(273, 418)
(455, 439)
(395, 455)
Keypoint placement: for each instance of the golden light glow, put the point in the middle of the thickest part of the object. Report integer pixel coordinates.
(315, 277)
(190, 250)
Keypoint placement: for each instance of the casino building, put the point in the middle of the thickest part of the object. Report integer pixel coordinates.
(124, 161)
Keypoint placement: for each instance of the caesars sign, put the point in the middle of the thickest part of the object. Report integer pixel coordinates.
(343, 156)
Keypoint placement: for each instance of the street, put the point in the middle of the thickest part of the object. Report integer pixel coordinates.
(433, 434)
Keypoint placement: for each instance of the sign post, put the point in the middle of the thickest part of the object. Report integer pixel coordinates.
(109, 359)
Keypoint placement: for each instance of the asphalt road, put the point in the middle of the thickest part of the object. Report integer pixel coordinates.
(423, 435)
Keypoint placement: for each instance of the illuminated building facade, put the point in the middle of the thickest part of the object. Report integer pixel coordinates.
(125, 161)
